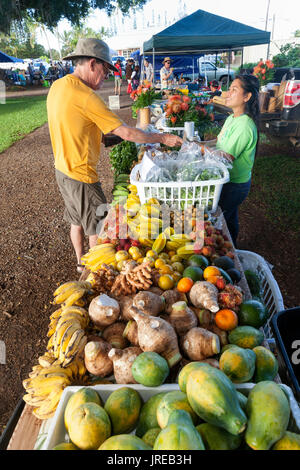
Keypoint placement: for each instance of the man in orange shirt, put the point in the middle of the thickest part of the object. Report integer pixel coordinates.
(78, 119)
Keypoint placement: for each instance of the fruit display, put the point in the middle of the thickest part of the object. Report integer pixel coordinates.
(207, 413)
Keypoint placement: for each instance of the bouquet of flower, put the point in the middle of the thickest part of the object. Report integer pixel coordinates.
(181, 108)
(263, 71)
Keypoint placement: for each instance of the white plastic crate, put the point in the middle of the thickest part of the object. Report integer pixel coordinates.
(55, 432)
(270, 291)
(206, 194)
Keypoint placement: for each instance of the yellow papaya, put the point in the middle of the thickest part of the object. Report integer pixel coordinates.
(148, 418)
(266, 367)
(89, 426)
(289, 441)
(238, 364)
(269, 401)
(150, 436)
(124, 442)
(175, 400)
(123, 407)
(83, 395)
(184, 373)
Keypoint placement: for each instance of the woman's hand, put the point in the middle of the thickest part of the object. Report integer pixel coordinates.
(171, 140)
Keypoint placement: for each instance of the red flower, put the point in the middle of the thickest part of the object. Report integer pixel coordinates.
(173, 119)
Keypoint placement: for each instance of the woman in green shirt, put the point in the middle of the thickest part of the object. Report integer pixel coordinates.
(238, 138)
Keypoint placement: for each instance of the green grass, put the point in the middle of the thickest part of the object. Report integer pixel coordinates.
(276, 188)
(20, 116)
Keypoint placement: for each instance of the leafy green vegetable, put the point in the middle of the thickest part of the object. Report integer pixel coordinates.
(122, 157)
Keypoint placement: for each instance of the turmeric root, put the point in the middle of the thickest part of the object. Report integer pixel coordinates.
(198, 344)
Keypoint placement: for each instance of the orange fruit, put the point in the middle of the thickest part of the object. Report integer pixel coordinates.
(166, 282)
(212, 279)
(185, 284)
(210, 271)
(226, 319)
(171, 253)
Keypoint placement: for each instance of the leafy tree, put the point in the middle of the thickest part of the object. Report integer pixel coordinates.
(21, 43)
(297, 33)
(69, 38)
(50, 12)
(289, 56)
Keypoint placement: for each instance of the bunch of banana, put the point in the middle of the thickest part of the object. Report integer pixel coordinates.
(120, 190)
(46, 383)
(98, 255)
(68, 334)
(72, 293)
(187, 249)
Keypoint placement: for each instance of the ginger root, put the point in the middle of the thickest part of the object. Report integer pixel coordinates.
(132, 278)
(203, 294)
(199, 344)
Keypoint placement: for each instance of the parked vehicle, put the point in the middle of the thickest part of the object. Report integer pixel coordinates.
(212, 72)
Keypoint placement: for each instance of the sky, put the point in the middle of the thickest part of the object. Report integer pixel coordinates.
(284, 15)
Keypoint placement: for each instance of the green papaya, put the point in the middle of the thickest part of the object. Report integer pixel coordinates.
(147, 419)
(175, 400)
(246, 337)
(150, 436)
(123, 407)
(242, 400)
(290, 441)
(268, 412)
(266, 367)
(179, 434)
(238, 364)
(213, 397)
(253, 282)
(124, 442)
(150, 369)
(215, 438)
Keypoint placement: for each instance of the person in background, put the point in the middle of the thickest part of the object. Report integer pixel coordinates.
(135, 77)
(215, 88)
(118, 77)
(31, 72)
(148, 71)
(78, 120)
(238, 139)
(128, 73)
(166, 74)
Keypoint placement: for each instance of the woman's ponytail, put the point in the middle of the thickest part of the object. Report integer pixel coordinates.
(250, 84)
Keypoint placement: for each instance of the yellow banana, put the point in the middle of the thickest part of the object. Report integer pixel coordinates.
(46, 360)
(73, 344)
(50, 404)
(67, 338)
(187, 249)
(61, 328)
(55, 314)
(39, 415)
(146, 242)
(64, 286)
(74, 297)
(33, 400)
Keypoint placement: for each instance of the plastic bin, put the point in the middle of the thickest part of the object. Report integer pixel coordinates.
(56, 431)
(270, 291)
(286, 327)
(206, 194)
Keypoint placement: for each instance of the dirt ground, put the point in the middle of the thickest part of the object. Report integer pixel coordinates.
(36, 253)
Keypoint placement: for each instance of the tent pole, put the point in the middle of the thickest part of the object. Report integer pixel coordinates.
(242, 64)
(153, 60)
(216, 65)
(229, 59)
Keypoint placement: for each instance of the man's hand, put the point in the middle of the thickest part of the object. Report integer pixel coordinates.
(171, 140)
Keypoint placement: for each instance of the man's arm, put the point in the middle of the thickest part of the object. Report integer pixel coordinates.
(140, 137)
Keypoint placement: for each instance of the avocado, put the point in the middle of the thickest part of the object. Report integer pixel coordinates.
(234, 274)
(224, 262)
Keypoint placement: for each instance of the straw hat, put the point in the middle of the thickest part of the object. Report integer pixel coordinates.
(167, 59)
(94, 48)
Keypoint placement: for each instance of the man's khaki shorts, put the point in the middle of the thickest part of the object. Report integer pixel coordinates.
(81, 202)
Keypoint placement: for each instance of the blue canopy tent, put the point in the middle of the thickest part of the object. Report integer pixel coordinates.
(203, 32)
(7, 58)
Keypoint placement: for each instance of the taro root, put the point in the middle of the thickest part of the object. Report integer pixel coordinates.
(104, 310)
(199, 344)
(182, 318)
(113, 334)
(149, 303)
(125, 302)
(122, 360)
(96, 358)
(203, 294)
(131, 333)
(157, 335)
(171, 297)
